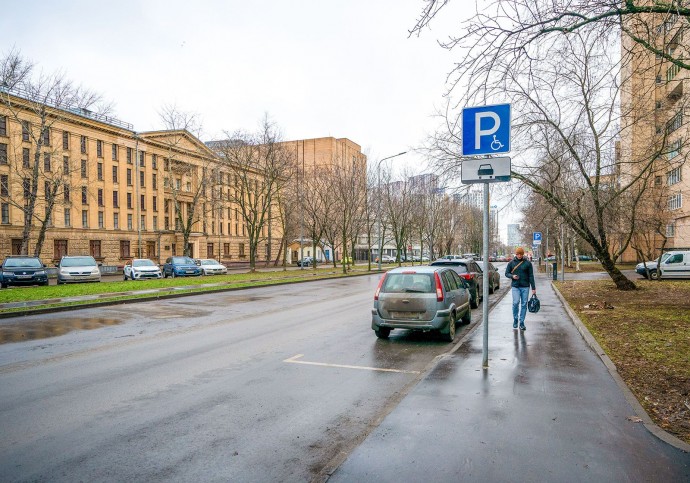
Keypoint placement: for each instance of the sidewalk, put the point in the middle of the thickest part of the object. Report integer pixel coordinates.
(547, 409)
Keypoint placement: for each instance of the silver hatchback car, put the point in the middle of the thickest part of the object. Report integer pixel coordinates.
(420, 298)
(78, 269)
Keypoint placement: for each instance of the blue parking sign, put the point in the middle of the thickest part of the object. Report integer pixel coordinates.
(486, 130)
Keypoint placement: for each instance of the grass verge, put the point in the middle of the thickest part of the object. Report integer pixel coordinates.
(647, 336)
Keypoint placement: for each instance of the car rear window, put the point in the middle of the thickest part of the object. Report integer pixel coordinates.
(23, 263)
(409, 282)
(458, 267)
(183, 260)
(143, 263)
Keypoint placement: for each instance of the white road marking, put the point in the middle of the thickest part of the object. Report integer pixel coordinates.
(293, 360)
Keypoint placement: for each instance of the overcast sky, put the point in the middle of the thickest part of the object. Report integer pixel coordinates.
(342, 68)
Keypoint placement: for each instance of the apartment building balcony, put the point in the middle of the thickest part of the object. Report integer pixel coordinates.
(676, 78)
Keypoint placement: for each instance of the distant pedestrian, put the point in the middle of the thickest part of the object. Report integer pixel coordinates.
(521, 274)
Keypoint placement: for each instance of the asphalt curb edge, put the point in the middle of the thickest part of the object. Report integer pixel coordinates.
(611, 367)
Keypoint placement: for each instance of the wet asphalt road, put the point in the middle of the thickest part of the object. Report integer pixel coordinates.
(269, 384)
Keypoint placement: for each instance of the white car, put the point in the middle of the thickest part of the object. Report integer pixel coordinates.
(212, 267)
(141, 268)
(387, 259)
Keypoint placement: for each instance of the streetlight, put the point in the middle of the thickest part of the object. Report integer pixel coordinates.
(378, 184)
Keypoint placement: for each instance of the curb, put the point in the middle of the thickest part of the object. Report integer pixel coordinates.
(629, 396)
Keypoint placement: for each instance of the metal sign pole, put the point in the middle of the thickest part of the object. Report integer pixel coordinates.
(485, 287)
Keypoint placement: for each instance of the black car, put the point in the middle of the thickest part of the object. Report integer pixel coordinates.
(20, 270)
(470, 271)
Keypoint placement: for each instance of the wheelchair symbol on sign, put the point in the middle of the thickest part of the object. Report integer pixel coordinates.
(496, 144)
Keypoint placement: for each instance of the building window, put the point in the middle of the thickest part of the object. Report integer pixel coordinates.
(671, 230)
(129, 222)
(129, 177)
(129, 201)
(675, 122)
(166, 223)
(675, 202)
(95, 248)
(3, 125)
(68, 221)
(46, 162)
(154, 181)
(209, 250)
(99, 148)
(84, 218)
(154, 161)
(129, 155)
(673, 176)
(84, 199)
(100, 197)
(116, 221)
(83, 145)
(26, 187)
(116, 200)
(26, 161)
(226, 249)
(673, 150)
(65, 165)
(142, 202)
(46, 136)
(25, 130)
(4, 185)
(124, 249)
(46, 189)
(115, 152)
(65, 193)
(59, 249)
(114, 174)
(65, 140)
(142, 158)
(142, 177)
(5, 209)
(142, 223)
(242, 254)
(3, 153)
(84, 172)
(155, 223)
(189, 186)
(99, 171)
(100, 219)
(155, 203)
(166, 164)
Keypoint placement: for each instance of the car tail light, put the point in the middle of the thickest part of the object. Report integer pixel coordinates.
(467, 276)
(378, 289)
(439, 288)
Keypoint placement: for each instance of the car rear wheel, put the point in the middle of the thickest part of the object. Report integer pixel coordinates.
(382, 332)
(654, 275)
(450, 336)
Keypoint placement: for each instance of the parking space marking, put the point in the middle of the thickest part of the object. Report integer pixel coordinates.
(293, 360)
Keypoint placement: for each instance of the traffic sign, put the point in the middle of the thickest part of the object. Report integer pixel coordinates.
(486, 130)
(536, 238)
(488, 170)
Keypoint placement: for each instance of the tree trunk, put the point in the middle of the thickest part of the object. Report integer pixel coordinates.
(621, 281)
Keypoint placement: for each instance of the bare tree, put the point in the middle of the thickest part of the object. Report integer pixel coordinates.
(565, 93)
(397, 203)
(512, 26)
(259, 164)
(38, 103)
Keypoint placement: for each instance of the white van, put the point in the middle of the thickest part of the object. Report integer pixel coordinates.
(676, 264)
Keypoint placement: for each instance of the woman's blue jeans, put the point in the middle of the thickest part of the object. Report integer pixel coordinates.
(520, 295)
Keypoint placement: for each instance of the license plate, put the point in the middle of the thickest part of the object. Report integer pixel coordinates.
(407, 315)
(23, 276)
(189, 271)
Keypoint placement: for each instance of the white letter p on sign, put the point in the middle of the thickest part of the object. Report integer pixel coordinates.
(478, 132)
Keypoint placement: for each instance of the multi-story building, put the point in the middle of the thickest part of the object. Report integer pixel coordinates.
(113, 190)
(655, 107)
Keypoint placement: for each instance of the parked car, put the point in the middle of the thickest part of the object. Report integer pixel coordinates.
(422, 298)
(180, 267)
(83, 268)
(674, 264)
(386, 259)
(451, 257)
(140, 269)
(470, 271)
(21, 270)
(583, 258)
(305, 262)
(494, 278)
(212, 267)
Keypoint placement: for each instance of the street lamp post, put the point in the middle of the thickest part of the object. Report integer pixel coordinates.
(378, 194)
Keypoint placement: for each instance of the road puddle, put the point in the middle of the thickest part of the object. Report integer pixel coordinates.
(44, 329)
